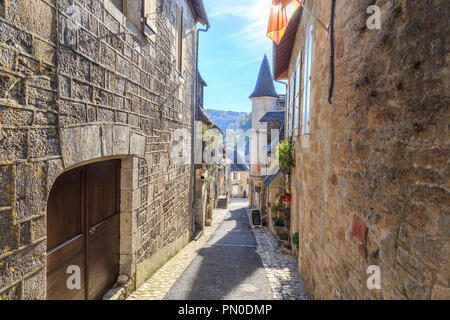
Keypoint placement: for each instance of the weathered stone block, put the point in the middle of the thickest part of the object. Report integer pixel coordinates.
(105, 115)
(7, 185)
(429, 250)
(123, 66)
(35, 286)
(121, 141)
(38, 228)
(33, 15)
(41, 99)
(45, 118)
(440, 293)
(81, 91)
(43, 143)
(15, 117)
(9, 238)
(359, 229)
(108, 56)
(13, 144)
(54, 169)
(137, 144)
(25, 233)
(31, 189)
(80, 144)
(25, 261)
(72, 113)
(12, 293)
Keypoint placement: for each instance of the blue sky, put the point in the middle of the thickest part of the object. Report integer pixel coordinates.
(231, 52)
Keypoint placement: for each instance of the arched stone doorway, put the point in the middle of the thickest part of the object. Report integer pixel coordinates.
(83, 232)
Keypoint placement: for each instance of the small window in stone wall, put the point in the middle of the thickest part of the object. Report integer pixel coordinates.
(180, 35)
(119, 4)
(2, 8)
(149, 17)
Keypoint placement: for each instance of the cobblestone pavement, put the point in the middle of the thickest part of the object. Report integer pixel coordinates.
(281, 269)
(158, 285)
(228, 266)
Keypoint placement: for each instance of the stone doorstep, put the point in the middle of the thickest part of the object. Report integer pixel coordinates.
(120, 292)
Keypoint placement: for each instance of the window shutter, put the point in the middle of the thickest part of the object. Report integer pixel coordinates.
(181, 34)
(178, 37)
(183, 43)
(149, 17)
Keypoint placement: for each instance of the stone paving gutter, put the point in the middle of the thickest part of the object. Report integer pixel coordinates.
(281, 269)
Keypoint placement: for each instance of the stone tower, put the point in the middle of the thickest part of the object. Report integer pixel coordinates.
(264, 99)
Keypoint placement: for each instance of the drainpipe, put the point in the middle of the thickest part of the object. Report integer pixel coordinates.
(286, 93)
(194, 118)
(330, 93)
(285, 84)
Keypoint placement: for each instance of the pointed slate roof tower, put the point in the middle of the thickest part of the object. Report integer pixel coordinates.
(264, 84)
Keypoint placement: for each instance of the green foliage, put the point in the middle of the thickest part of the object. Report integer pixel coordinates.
(279, 222)
(284, 156)
(274, 208)
(227, 119)
(296, 238)
(212, 171)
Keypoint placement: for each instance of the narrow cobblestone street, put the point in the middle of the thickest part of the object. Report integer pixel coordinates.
(230, 261)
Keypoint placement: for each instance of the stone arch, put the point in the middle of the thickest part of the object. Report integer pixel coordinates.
(92, 141)
(82, 145)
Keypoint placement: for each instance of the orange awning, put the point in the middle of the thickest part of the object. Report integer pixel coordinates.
(280, 14)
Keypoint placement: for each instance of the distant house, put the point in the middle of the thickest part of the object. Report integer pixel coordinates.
(239, 174)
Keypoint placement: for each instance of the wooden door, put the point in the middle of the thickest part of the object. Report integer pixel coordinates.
(103, 227)
(83, 230)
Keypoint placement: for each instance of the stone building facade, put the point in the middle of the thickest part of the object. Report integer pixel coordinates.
(80, 82)
(371, 177)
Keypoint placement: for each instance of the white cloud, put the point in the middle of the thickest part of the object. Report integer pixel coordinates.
(255, 15)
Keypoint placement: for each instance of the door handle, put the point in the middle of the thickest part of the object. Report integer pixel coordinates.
(92, 231)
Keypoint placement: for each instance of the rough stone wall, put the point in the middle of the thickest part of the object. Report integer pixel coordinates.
(71, 95)
(371, 183)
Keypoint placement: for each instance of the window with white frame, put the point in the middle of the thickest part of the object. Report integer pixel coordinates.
(297, 96)
(291, 103)
(286, 121)
(306, 96)
(142, 14)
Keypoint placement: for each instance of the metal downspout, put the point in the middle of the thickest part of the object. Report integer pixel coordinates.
(194, 118)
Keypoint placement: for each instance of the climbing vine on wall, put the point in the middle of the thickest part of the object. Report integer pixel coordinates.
(284, 156)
